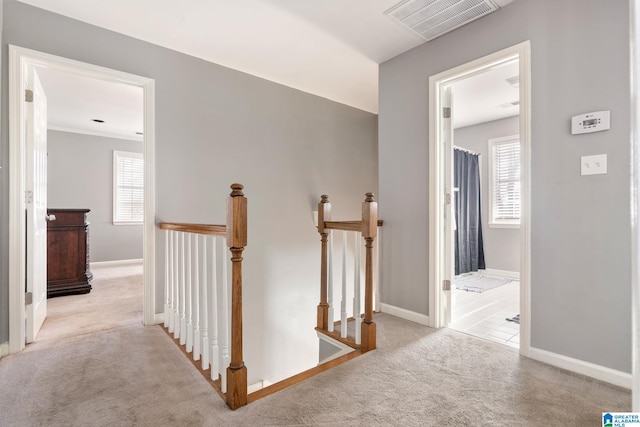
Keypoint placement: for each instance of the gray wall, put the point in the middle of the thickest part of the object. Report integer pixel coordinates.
(580, 226)
(216, 126)
(80, 173)
(501, 245)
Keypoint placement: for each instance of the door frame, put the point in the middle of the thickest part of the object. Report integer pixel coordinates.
(634, 42)
(20, 60)
(437, 193)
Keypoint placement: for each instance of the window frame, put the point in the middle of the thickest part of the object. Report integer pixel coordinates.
(117, 154)
(502, 222)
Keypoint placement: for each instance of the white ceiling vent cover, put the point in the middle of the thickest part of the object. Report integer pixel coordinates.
(433, 18)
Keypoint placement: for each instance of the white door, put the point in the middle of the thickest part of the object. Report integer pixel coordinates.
(36, 187)
(449, 258)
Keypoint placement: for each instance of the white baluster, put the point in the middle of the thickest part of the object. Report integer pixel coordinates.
(356, 287)
(330, 324)
(176, 282)
(172, 318)
(224, 323)
(205, 305)
(343, 302)
(183, 286)
(196, 303)
(215, 361)
(189, 313)
(166, 278)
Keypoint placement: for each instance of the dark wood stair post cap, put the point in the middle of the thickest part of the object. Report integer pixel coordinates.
(236, 190)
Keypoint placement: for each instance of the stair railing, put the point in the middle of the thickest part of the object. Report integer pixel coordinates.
(197, 307)
(364, 332)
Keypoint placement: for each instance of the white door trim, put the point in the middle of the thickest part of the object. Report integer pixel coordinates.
(19, 61)
(522, 51)
(634, 24)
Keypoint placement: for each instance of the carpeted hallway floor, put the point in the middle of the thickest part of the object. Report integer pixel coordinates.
(94, 364)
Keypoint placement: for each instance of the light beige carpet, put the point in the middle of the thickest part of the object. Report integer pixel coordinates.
(95, 364)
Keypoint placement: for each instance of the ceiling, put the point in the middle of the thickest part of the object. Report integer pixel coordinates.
(486, 96)
(74, 101)
(331, 48)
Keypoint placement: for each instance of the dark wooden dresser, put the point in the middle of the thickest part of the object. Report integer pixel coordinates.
(68, 252)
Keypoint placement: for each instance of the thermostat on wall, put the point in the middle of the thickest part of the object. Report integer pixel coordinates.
(590, 122)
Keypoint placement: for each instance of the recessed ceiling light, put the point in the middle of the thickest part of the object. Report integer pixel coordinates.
(98, 120)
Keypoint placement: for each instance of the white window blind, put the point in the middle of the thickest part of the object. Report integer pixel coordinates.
(128, 187)
(505, 181)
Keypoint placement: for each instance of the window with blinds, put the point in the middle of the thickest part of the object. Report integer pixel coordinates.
(504, 176)
(128, 187)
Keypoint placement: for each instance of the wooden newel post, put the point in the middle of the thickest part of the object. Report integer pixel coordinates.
(324, 214)
(236, 241)
(369, 232)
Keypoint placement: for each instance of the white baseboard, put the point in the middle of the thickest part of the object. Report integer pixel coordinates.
(504, 273)
(4, 349)
(158, 318)
(257, 386)
(405, 314)
(602, 373)
(116, 263)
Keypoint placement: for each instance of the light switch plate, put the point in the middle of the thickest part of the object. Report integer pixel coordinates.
(593, 165)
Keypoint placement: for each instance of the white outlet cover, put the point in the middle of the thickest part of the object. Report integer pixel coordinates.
(593, 165)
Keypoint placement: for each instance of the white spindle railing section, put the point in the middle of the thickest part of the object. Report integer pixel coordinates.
(197, 298)
(357, 283)
(343, 300)
(350, 261)
(359, 297)
(203, 306)
(330, 325)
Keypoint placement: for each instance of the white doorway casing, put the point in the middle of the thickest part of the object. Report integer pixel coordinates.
(20, 61)
(634, 43)
(439, 255)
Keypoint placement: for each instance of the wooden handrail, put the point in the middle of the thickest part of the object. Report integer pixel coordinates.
(207, 229)
(347, 225)
(343, 225)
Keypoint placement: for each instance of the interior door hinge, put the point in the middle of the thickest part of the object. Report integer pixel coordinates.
(28, 197)
(28, 95)
(28, 298)
(448, 198)
(446, 285)
(446, 112)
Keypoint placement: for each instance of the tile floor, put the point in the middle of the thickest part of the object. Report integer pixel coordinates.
(484, 314)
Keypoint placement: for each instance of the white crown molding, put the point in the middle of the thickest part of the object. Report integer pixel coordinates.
(94, 133)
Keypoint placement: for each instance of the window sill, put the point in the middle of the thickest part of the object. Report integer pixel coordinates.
(128, 223)
(503, 225)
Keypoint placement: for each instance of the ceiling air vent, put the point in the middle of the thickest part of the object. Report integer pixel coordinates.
(433, 18)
